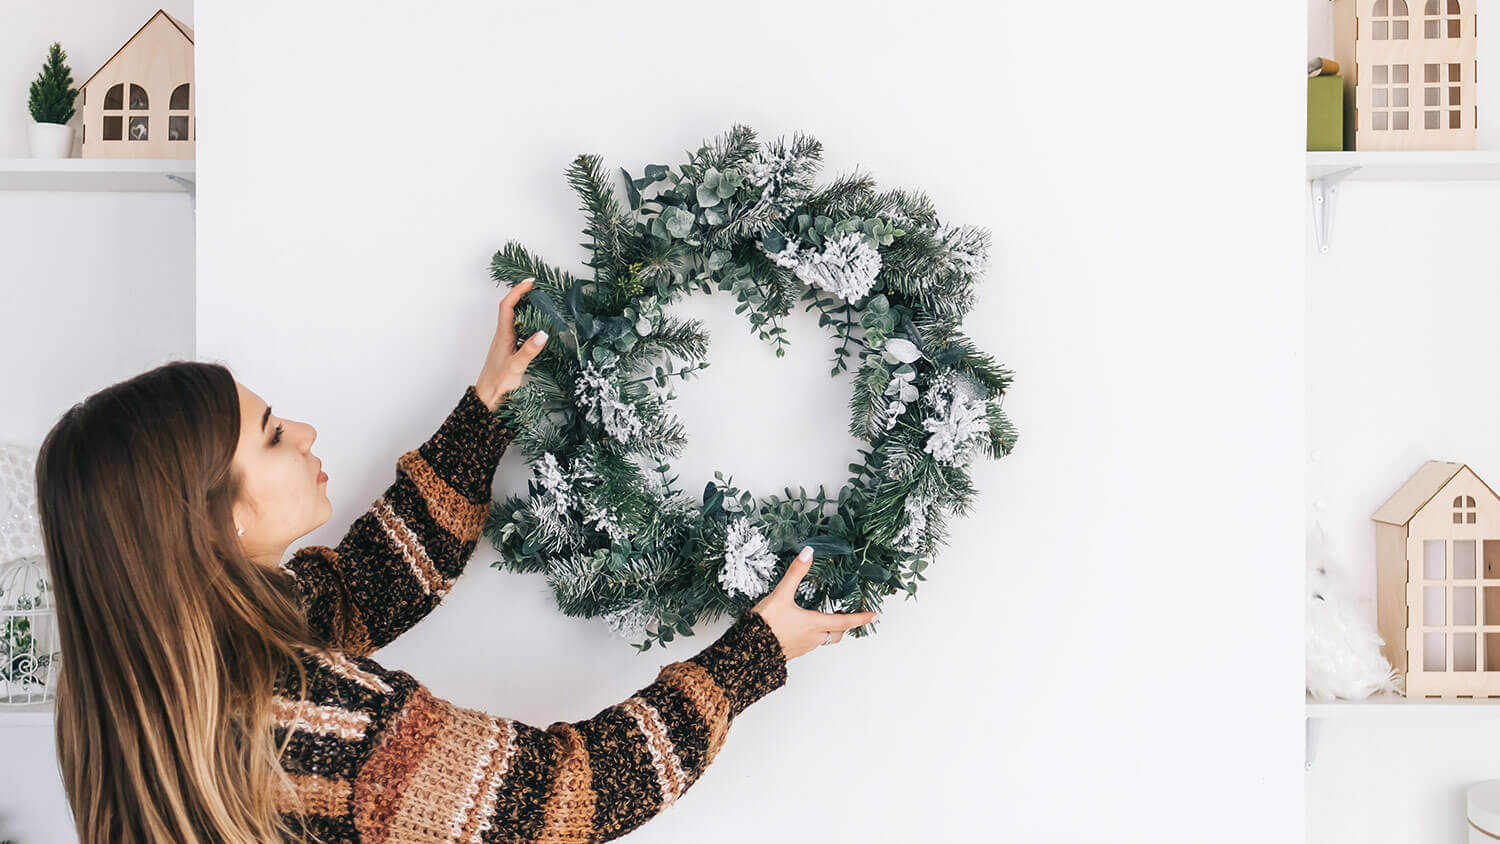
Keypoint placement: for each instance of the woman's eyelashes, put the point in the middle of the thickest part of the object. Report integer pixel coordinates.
(276, 437)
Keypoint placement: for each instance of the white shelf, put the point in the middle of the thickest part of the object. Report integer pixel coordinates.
(38, 715)
(1401, 707)
(97, 174)
(1388, 705)
(1412, 165)
(1326, 170)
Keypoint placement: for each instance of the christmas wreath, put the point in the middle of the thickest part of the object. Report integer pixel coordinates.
(603, 519)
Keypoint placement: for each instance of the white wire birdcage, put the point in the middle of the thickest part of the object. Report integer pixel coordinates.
(29, 644)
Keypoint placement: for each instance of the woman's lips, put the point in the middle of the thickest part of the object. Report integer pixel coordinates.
(322, 476)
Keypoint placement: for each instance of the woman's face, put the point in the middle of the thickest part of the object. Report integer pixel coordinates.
(283, 491)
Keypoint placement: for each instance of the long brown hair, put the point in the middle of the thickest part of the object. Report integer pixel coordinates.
(171, 636)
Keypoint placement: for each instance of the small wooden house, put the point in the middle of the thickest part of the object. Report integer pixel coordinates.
(1414, 74)
(1437, 549)
(139, 104)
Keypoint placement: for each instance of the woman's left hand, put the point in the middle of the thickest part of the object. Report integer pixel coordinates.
(505, 364)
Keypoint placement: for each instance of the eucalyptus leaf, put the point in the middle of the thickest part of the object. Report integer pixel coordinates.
(586, 326)
(540, 299)
(679, 222)
(900, 349)
(630, 192)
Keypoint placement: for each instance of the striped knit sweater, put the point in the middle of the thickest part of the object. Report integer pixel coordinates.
(374, 756)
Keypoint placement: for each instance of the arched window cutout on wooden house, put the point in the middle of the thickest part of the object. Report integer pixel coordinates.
(177, 124)
(1463, 510)
(1389, 20)
(1441, 18)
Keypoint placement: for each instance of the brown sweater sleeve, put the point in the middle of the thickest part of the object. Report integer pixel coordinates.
(401, 556)
(442, 772)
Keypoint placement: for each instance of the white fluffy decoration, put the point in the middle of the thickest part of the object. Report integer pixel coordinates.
(846, 266)
(1342, 644)
(20, 528)
(748, 561)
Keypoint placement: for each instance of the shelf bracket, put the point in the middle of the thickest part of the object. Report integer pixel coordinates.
(1325, 194)
(1314, 724)
(188, 185)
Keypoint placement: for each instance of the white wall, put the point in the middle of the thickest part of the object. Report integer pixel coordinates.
(93, 288)
(1111, 648)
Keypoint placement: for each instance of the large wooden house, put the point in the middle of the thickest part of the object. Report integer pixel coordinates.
(139, 104)
(1414, 74)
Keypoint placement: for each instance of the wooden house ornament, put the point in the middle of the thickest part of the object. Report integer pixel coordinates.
(1414, 74)
(139, 104)
(1437, 549)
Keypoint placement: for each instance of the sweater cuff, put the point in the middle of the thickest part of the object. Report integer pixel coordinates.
(747, 661)
(467, 447)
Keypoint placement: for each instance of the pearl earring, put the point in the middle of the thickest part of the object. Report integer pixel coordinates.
(242, 531)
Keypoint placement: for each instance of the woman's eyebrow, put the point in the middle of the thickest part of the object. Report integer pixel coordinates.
(264, 417)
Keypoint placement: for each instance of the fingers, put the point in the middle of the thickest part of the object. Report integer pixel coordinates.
(508, 304)
(528, 351)
(507, 320)
(847, 621)
(794, 574)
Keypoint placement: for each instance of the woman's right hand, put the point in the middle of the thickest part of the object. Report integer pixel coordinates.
(800, 630)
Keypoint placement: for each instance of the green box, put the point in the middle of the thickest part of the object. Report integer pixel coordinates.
(1325, 112)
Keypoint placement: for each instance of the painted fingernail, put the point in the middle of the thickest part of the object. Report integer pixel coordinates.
(805, 553)
(527, 280)
(540, 338)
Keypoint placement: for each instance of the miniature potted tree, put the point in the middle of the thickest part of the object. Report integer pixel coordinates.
(51, 104)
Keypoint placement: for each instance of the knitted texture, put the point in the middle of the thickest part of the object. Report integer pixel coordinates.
(374, 756)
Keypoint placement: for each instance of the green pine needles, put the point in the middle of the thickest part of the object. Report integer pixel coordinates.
(52, 92)
(603, 518)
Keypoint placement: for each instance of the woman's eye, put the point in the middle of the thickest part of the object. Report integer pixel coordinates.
(276, 437)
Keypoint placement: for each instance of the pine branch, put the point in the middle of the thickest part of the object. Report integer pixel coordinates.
(1003, 436)
(840, 196)
(606, 226)
(683, 339)
(918, 267)
(867, 402)
(735, 147)
(945, 343)
(513, 264)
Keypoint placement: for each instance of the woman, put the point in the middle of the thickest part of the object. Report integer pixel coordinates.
(210, 692)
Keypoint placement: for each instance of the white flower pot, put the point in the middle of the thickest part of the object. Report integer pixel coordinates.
(51, 140)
